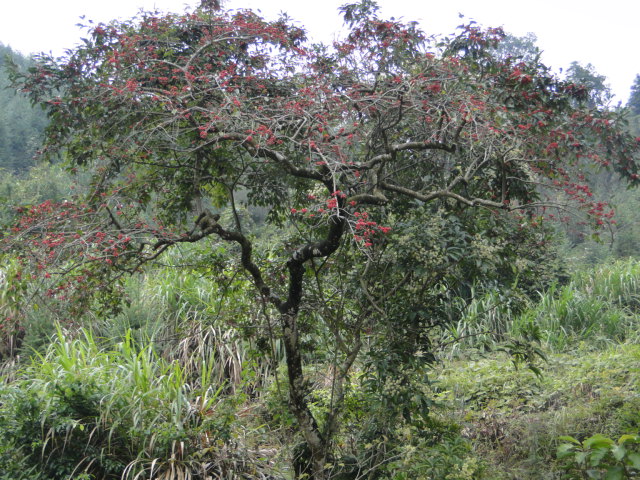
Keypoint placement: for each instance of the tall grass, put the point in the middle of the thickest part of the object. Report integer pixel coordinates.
(483, 323)
(118, 413)
(599, 306)
(149, 393)
(188, 315)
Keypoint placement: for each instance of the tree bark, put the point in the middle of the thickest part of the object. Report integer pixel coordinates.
(317, 443)
(297, 397)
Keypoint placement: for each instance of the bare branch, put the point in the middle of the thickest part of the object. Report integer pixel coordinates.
(442, 194)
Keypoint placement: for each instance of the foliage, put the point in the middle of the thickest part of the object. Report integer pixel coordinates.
(634, 98)
(598, 304)
(13, 289)
(522, 48)
(37, 185)
(513, 418)
(437, 453)
(587, 77)
(41, 183)
(106, 44)
(482, 324)
(625, 243)
(599, 457)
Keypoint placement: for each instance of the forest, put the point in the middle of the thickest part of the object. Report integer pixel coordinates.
(230, 252)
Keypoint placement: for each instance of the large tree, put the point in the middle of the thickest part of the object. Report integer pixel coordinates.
(396, 158)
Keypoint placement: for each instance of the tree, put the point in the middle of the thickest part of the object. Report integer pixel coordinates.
(522, 48)
(599, 92)
(401, 164)
(21, 126)
(634, 98)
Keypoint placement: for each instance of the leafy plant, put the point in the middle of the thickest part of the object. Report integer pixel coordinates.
(598, 305)
(450, 457)
(599, 457)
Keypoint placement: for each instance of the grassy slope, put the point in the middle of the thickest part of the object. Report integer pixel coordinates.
(514, 418)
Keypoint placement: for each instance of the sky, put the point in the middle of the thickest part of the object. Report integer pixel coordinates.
(603, 33)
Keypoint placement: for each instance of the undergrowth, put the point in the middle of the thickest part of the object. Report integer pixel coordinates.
(515, 418)
(182, 385)
(82, 411)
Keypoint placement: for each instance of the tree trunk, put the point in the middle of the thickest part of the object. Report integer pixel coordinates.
(317, 447)
(317, 444)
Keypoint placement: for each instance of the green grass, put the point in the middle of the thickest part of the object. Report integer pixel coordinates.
(599, 306)
(514, 418)
(117, 413)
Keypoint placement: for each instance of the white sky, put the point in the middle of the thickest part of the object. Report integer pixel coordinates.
(603, 33)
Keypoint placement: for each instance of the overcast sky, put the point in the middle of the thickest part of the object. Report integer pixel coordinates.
(603, 33)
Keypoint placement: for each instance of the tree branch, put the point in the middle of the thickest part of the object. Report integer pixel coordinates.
(472, 202)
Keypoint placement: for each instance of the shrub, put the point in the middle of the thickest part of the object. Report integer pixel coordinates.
(599, 457)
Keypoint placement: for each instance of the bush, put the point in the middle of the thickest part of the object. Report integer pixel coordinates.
(448, 458)
(599, 457)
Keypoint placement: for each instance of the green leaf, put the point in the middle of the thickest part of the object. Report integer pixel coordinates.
(615, 473)
(628, 438)
(618, 452)
(565, 450)
(598, 441)
(581, 457)
(567, 438)
(597, 456)
(634, 459)
(535, 370)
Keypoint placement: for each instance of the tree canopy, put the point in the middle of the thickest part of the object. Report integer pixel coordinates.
(599, 91)
(394, 166)
(20, 126)
(634, 98)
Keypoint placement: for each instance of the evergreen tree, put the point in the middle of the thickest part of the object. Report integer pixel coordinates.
(21, 125)
(634, 99)
(598, 92)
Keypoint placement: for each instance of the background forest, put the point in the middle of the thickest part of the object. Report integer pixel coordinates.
(461, 346)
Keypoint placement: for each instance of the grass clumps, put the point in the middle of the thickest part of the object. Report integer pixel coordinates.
(84, 412)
